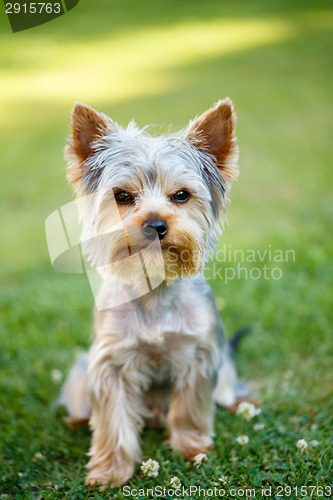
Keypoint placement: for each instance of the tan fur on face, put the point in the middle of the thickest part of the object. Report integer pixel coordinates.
(181, 246)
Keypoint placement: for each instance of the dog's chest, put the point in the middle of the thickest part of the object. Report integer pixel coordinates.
(167, 356)
(160, 337)
(168, 346)
(169, 338)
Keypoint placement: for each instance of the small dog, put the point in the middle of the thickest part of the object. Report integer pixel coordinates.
(162, 355)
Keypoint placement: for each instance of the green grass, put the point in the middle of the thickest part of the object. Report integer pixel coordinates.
(162, 63)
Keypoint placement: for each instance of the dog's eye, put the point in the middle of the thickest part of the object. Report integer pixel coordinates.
(181, 196)
(123, 197)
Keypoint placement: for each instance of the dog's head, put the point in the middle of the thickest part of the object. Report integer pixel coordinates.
(160, 196)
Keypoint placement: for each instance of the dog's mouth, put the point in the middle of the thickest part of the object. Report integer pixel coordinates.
(132, 243)
(128, 251)
(182, 254)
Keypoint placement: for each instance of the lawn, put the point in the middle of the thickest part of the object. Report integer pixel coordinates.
(163, 63)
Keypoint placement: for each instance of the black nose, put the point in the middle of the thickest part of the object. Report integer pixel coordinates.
(153, 226)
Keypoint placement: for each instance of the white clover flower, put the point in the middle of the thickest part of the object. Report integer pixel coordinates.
(175, 482)
(302, 444)
(223, 479)
(314, 442)
(39, 456)
(198, 459)
(56, 376)
(150, 468)
(247, 410)
(242, 440)
(258, 427)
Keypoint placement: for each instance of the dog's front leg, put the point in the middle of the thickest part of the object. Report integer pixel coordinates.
(116, 422)
(191, 416)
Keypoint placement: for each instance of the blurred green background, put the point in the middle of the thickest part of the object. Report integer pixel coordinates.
(163, 63)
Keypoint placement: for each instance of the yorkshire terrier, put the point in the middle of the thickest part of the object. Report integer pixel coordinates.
(157, 353)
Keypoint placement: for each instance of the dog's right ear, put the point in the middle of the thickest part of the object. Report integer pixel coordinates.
(87, 127)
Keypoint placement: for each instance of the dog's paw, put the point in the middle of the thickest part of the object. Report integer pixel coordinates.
(191, 444)
(190, 453)
(109, 475)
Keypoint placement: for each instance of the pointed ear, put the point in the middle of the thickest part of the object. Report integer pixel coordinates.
(87, 127)
(213, 133)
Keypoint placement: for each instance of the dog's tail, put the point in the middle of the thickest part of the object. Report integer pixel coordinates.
(229, 389)
(75, 394)
(237, 337)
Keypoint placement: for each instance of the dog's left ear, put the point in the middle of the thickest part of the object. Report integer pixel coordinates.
(213, 133)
